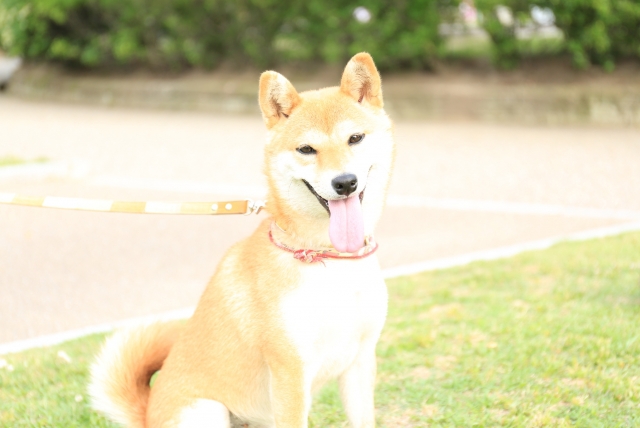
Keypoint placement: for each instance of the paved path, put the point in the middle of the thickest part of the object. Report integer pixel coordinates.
(458, 188)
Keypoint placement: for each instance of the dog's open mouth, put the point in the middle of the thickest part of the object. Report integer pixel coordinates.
(346, 222)
(323, 201)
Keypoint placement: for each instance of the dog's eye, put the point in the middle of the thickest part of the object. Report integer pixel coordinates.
(356, 138)
(306, 150)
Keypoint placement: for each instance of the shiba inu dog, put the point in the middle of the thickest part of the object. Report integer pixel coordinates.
(299, 302)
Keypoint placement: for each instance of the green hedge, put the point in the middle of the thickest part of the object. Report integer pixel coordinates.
(175, 34)
(595, 31)
(181, 33)
(599, 31)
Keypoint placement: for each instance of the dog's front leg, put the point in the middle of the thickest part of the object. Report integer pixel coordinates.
(290, 395)
(357, 384)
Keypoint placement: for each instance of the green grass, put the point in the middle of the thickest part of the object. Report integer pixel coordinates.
(12, 160)
(548, 338)
(43, 390)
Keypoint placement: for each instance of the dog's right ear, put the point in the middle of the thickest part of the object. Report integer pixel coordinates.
(277, 97)
(361, 80)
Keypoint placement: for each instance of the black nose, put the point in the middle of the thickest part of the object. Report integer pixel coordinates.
(345, 184)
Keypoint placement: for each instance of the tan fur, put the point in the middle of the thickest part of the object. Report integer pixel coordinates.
(258, 341)
(362, 81)
(277, 97)
(125, 366)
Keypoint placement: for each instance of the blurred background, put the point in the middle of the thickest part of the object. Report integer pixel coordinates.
(562, 61)
(516, 121)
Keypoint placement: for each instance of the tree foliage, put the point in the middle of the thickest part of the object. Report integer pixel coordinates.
(595, 31)
(176, 34)
(182, 33)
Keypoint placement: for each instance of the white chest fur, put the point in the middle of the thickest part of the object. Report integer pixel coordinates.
(336, 311)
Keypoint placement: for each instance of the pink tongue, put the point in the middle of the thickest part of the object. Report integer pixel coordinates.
(346, 227)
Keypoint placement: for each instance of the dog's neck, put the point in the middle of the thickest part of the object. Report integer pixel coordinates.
(301, 234)
(295, 230)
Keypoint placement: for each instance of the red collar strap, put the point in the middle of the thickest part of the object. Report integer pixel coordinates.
(312, 256)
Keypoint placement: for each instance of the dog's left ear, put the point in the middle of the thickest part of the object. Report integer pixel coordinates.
(277, 97)
(361, 80)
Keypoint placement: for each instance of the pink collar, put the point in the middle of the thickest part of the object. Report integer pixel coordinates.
(312, 256)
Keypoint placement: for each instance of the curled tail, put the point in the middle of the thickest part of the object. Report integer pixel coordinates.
(120, 376)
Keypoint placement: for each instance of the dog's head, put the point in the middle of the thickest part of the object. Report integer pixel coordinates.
(328, 156)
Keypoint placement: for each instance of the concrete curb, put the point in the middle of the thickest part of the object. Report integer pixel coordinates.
(43, 170)
(599, 101)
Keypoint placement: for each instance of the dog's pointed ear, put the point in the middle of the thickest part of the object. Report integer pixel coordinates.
(277, 97)
(361, 80)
